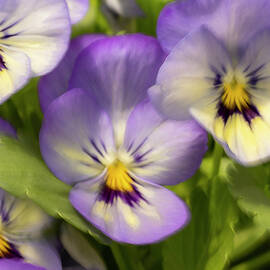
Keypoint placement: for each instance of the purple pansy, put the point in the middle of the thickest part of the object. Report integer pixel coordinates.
(21, 225)
(34, 36)
(104, 136)
(20, 244)
(218, 71)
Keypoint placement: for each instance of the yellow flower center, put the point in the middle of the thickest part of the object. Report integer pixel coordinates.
(117, 177)
(235, 95)
(5, 248)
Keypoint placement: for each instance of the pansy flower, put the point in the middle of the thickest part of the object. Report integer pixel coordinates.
(218, 71)
(21, 225)
(34, 36)
(104, 137)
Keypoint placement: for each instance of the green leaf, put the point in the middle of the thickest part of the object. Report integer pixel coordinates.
(147, 23)
(250, 186)
(25, 175)
(206, 243)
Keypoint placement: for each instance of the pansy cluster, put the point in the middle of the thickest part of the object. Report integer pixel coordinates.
(125, 115)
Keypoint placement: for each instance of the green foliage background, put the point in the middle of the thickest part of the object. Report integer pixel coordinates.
(230, 204)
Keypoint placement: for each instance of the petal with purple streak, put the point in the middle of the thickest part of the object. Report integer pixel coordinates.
(164, 151)
(38, 28)
(189, 74)
(55, 83)
(150, 215)
(76, 137)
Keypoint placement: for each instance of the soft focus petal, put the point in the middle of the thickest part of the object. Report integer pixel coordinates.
(40, 253)
(75, 137)
(125, 8)
(165, 151)
(77, 9)
(20, 218)
(38, 28)
(6, 128)
(79, 248)
(188, 74)
(118, 71)
(13, 264)
(234, 22)
(156, 216)
(55, 83)
(15, 70)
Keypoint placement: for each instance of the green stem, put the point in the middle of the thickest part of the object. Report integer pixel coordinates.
(217, 155)
(255, 263)
(119, 257)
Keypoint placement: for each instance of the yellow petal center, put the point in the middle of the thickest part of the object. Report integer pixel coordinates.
(5, 248)
(235, 95)
(117, 177)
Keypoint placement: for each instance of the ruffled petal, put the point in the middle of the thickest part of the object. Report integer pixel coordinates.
(55, 83)
(6, 128)
(147, 214)
(75, 137)
(189, 74)
(77, 9)
(234, 22)
(40, 253)
(13, 264)
(118, 71)
(125, 8)
(38, 28)
(15, 71)
(164, 151)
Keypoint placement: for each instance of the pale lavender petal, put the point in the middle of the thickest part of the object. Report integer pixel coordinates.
(234, 22)
(164, 151)
(118, 71)
(38, 28)
(55, 83)
(189, 74)
(6, 128)
(40, 253)
(154, 214)
(77, 9)
(14, 264)
(75, 137)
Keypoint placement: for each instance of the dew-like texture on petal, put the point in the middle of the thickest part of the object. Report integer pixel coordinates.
(6, 128)
(14, 264)
(38, 28)
(75, 137)
(55, 83)
(77, 9)
(15, 71)
(164, 151)
(188, 74)
(156, 215)
(40, 253)
(118, 71)
(125, 8)
(234, 22)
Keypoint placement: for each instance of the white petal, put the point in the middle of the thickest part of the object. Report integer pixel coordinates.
(39, 28)
(77, 9)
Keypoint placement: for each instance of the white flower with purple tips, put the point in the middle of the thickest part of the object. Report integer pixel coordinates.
(104, 137)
